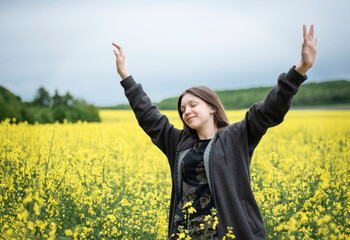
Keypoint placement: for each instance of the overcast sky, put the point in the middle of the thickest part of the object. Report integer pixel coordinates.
(169, 45)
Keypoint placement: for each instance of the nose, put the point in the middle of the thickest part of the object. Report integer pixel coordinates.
(187, 111)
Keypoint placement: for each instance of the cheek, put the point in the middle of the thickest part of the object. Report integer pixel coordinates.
(183, 117)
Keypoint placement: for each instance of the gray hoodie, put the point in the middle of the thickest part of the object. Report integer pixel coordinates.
(227, 157)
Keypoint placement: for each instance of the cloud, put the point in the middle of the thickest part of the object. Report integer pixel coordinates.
(169, 45)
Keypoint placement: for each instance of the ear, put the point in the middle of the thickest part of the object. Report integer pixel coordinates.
(212, 110)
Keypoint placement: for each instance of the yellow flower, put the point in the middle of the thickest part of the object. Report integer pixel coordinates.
(68, 232)
(114, 231)
(28, 198)
(207, 218)
(181, 235)
(9, 233)
(124, 202)
(188, 204)
(216, 222)
(30, 225)
(192, 210)
(229, 233)
(119, 182)
(36, 209)
(303, 218)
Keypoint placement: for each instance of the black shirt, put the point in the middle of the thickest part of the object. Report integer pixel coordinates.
(195, 188)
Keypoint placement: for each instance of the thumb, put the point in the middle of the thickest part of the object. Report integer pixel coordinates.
(305, 42)
(116, 53)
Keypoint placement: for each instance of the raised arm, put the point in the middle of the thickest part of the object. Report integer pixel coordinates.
(271, 111)
(163, 134)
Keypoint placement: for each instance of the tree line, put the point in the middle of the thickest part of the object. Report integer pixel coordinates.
(45, 108)
(309, 95)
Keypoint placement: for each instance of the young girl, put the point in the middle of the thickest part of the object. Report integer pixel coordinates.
(210, 158)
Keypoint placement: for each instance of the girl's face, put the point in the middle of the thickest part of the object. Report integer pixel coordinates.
(196, 113)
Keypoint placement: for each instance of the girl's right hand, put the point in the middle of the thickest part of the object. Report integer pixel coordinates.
(308, 51)
(120, 58)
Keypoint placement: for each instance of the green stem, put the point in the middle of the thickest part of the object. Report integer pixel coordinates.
(205, 233)
(48, 158)
(188, 222)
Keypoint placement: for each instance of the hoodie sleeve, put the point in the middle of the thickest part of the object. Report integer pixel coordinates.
(163, 134)
(271, 111)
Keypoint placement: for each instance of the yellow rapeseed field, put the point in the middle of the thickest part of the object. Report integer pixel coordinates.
(107, 180)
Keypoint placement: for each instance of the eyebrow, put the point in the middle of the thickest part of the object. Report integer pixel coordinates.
(182, 106)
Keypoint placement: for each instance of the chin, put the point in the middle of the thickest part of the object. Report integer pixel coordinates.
(190, 126)
(193, 127)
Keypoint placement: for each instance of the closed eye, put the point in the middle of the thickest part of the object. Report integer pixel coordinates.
(192, 103)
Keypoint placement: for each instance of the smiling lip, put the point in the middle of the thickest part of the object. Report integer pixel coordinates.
(190, 118)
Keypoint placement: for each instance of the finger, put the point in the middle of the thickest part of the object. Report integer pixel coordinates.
(119, 48)
(304, 31)
(116, 53)
(311, 32)
(303, 45)
(315, 42)
(115, 45)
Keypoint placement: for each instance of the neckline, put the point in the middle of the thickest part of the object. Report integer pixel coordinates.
(203, 140)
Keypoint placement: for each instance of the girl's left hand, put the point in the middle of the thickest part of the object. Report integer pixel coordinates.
(308, 51)
(120, 59)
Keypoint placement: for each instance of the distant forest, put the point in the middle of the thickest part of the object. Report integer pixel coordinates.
(48, 109)
(45, 108)
(330, 93)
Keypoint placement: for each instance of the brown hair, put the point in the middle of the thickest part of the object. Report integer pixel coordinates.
(210, 97)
